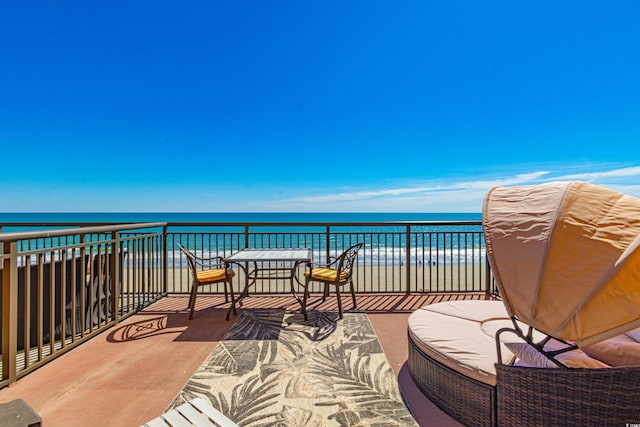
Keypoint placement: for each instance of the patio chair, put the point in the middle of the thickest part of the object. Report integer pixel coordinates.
(208, 271)
(338, 272)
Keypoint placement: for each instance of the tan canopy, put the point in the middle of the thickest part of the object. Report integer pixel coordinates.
(565, 257)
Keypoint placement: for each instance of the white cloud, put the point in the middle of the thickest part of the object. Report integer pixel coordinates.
(452, 196)
(463, 194)
(421, 190)
(595, 176)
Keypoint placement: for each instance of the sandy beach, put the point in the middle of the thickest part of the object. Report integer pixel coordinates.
(368, 278)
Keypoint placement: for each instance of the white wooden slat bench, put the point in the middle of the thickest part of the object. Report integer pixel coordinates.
(195, 412)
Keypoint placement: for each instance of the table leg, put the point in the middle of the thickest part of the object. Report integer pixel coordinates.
(303, 301)
(244, 292)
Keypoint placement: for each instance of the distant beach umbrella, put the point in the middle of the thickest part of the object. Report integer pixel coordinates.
(565, 258)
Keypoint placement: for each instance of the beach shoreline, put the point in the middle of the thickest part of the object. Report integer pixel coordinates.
(367, 278)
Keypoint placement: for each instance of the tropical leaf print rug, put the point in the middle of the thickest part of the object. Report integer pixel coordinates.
(273, 368)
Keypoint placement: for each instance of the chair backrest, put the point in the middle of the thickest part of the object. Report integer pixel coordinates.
(191, 259)
(346, 261)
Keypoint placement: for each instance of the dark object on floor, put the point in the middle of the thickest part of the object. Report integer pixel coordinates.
(18, 413)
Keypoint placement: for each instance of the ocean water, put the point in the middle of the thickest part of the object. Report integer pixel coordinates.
(439, 243)
(33, 217)
(366, 219)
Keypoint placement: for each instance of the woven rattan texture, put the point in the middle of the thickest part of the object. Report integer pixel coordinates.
(568, 397)
(465, 399)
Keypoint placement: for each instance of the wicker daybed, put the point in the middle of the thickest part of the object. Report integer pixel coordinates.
(566, 345)
(452, 354)
(460, 374)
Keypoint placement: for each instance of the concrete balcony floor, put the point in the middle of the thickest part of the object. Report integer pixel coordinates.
(130, 373)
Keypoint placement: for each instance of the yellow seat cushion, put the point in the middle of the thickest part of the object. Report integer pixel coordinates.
(325, 274)
(213, 275)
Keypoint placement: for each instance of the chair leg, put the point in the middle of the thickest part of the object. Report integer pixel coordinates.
(306, 286)
(325, 292)
(226, 295)
(353, 295)
(233, 298)
(305, 296)
(192, 299)
(339, 302)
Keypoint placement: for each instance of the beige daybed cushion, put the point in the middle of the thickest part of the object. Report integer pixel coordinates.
(460, 335)
(634, 334)
(529, 356)
(617, 351)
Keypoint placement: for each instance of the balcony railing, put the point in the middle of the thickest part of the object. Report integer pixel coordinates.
(62, 287)
(397, 257)
(65, 286)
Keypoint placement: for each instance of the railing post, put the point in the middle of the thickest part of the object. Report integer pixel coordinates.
(408, 259)
(327, 244)
(246, 236)
(165, 261)
(487, 274)
(85, 262)
(114, 275)
(10, 311)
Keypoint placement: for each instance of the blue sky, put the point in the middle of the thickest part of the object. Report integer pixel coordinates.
(223, 106)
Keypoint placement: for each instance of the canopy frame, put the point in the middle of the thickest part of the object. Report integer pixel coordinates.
(563, 256)
(538, 346)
